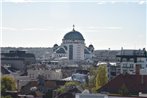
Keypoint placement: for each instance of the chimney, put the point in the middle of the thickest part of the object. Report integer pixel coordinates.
(137, 69)
(121, 50)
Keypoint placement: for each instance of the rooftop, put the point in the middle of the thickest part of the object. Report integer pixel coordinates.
(73, 35)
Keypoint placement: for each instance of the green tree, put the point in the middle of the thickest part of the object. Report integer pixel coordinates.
(62, 89)
(101, 77)
(7, 83)
(96, 75)
(72, 83)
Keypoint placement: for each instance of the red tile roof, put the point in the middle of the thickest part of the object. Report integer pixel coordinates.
(134, 83)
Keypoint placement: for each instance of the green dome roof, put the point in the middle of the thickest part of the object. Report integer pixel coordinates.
(60, 50)
(73, 35)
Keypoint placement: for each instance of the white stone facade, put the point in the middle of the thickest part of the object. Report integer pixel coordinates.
(48, 74)
(129, 60)
(130, 67)
(78, 49)
(73, 47)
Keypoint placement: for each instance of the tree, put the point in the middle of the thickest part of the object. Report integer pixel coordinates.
(124, 90)
(7, 83)
(101, 77)
(92, 79)
(67, 85)
(60, 90)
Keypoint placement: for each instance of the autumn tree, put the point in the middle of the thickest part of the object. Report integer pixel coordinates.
(7, 83)
(101, 77)
(67, 85)
(92, 79)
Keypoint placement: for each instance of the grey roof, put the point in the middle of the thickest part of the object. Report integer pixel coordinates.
(86, 51)
(60, 50)
(18, 54)
(132, 53)
(4, 70)
(73, 35)
(65, 47)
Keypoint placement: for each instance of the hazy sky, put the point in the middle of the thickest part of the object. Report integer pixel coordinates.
(103, 23)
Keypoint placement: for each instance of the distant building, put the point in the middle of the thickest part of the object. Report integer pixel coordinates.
(73, 47)
(82, 78)
(17, 63)
(8, 70)
(106, 55)
(131, 60)
(17, 59)
(48, 74)
(111, 70)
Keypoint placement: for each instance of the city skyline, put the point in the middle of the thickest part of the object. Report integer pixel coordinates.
(104, 24)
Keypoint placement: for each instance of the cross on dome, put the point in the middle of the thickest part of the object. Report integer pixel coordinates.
(73, 27)
(73, 35)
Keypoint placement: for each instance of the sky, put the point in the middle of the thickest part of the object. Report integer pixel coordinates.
(104, 23)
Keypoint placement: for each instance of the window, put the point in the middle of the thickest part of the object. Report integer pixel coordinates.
(70, 52)
(131, 60)
(124, 59)
(139, 60)
(124, 65)
(131, 65)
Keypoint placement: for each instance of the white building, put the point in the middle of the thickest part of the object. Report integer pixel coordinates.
(73, 47)
(46, 73)
(132, 61)
(111, 70)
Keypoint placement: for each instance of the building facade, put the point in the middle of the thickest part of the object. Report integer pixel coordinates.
(47, 73)
(132, 61)
(17, 59)
(73, 47)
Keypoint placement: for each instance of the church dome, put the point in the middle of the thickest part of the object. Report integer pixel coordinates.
(73, 35)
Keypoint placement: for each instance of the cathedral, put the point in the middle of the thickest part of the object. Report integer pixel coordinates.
(73, 47)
